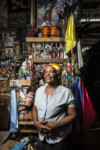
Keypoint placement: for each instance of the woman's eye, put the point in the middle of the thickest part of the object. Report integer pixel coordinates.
(50, 72)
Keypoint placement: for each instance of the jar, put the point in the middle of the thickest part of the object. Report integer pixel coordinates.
(45, 31)
(53, 31)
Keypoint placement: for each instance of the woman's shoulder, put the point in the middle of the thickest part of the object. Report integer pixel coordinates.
(40, 89)
(63, 88)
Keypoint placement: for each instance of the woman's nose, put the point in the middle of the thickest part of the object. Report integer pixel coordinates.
(47, 73)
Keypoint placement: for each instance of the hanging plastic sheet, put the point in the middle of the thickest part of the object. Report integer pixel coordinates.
(79, 52)
(13, 109)
(70, 36)
(88, 113)
(76, 89)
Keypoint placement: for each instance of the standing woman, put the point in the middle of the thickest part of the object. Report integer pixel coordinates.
(54, 112)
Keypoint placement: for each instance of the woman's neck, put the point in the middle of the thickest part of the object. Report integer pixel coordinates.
(52, 86)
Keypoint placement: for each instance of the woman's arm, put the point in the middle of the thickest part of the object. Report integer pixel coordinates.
(35, 114)
(40, 125)
(71, 111)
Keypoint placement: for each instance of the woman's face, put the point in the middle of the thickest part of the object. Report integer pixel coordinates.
(51, 75)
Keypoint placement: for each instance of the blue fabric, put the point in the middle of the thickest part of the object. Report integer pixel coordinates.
(18, 146)
(13, 109)
(76, 89)
(53, 108)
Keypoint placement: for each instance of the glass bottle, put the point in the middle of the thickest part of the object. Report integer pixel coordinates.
(61, 55)
(54, 52)
(64, 75)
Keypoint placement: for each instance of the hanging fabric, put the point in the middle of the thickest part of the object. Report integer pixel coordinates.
(79, 52)
(88, 113)
(76, 89)
(70, 36)
(13, 109)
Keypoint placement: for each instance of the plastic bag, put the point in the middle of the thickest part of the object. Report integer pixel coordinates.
(88, 113)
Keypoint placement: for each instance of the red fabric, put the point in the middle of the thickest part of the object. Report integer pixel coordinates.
(88, 113)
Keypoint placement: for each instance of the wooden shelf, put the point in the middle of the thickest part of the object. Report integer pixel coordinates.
(27, 128)
(28, 131)
(49, 60)
(26, 123)
(43, 39)
(26, 83)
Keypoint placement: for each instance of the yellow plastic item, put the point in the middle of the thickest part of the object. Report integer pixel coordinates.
(70, 36)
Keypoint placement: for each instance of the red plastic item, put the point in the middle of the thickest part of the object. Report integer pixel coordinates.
(88, 113)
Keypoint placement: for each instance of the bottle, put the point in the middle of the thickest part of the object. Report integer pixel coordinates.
(27, 63)
(30, 73)
(68, 68)
(20, 73)
(58, 53)
(72, 74)
(61, 53)
(53, 52)
(64, 75)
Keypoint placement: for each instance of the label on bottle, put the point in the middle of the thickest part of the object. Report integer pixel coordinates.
(68, 68)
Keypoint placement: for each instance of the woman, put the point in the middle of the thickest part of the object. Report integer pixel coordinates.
(54, 111)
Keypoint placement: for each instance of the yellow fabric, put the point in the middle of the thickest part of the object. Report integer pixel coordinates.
(70, 36)
(56, 66)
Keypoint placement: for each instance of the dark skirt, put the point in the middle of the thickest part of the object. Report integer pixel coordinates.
(65, 144)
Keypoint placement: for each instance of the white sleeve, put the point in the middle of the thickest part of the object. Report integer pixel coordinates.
(71, 99)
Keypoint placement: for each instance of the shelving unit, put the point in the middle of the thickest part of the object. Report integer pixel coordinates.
(29, 41)
(27, 124)
(46, 40)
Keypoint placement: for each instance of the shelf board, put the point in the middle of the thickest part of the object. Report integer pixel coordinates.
(28, 131)
(48, 60)
(45, 39)
(26, 123)
(26, 83)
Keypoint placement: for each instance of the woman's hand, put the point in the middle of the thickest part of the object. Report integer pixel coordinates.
(50, 125)
(41, 126)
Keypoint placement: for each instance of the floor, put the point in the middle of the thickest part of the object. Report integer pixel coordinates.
(92, 140)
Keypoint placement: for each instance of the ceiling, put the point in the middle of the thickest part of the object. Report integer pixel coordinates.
(89, 30)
